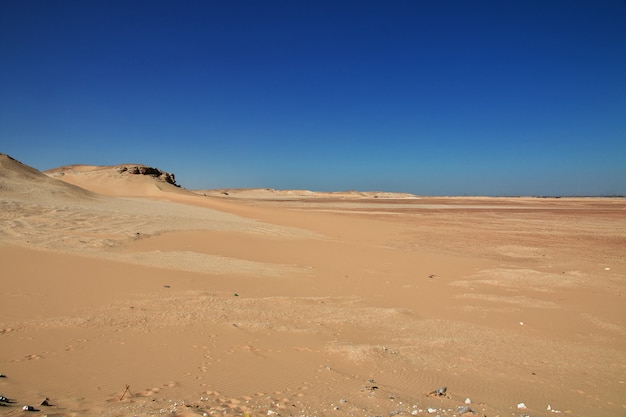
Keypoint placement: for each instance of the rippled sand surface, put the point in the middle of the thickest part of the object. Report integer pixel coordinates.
(306, 305)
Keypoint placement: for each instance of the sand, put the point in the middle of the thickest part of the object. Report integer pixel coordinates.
(294, 303)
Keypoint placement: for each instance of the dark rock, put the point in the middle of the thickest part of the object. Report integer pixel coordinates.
(156, 173)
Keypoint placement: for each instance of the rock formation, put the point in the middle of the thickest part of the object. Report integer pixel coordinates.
(145, 170)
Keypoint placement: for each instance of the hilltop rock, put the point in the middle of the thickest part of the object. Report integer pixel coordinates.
(156, 173)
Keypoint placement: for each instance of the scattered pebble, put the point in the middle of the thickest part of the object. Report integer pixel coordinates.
(521, 406)
(468, 401)
(464, 409)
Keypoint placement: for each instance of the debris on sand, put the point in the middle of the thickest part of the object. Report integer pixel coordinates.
(439, 392)
(29, 408)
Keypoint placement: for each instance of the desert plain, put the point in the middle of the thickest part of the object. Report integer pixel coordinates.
(126, 295)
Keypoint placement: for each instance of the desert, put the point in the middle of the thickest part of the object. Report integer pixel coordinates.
(125, 294)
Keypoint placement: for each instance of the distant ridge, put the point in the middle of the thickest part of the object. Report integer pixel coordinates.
(271, 193)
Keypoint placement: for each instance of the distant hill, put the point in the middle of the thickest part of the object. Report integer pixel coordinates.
(129, 180)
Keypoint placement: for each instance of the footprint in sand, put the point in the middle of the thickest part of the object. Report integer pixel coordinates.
(148, 392)
(199, 347)
(33, 357)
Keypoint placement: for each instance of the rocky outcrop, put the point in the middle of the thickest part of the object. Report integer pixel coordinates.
(150, 171)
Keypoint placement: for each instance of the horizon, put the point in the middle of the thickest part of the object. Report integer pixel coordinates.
(323, 191)
(428, 98)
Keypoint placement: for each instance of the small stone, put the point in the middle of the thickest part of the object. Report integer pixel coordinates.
(521, 406)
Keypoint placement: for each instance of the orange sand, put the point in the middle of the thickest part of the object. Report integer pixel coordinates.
(266, 302)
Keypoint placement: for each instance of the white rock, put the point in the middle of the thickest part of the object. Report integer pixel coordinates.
(431, 410)
(468, 401)
(521, 406)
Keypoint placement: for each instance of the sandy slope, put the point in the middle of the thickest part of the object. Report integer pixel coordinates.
(305, 306)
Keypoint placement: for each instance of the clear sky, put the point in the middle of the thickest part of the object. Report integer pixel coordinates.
(432, 97)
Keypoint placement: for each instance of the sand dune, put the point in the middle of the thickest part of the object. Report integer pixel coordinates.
(120, 180)
(22, 182)
(294, 303)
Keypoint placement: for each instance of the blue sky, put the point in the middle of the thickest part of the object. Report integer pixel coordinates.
(429, 97)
